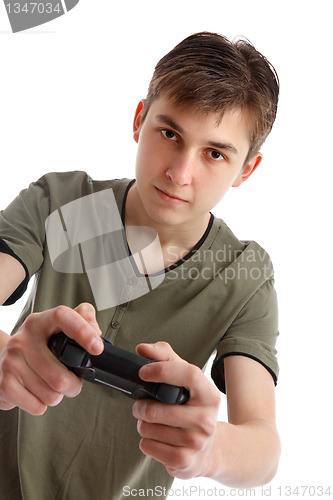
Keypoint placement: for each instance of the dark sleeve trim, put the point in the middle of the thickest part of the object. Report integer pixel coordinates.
(4, 248)
(216, 373)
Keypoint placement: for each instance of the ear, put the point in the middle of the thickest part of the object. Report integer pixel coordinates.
(137, 120)
(248, 170)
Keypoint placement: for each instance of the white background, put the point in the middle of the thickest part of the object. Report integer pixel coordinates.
(68, 91)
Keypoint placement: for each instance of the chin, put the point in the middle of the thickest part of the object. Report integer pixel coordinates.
(165, 218)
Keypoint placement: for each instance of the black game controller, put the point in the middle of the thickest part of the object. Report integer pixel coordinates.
(115, 368)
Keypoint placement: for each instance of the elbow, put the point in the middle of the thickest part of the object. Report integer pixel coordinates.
(266, 468)
(273, 463)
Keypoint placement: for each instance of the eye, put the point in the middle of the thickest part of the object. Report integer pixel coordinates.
(168, 134)
(216, 155)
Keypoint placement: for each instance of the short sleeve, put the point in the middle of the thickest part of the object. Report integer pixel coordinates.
(253, 333)
(22, 225)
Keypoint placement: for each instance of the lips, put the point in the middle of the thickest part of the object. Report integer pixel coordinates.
(170, 197)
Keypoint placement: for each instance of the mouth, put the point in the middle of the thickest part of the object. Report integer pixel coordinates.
(170, 198)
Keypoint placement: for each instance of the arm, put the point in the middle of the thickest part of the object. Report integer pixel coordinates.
(12, 274)
(250, 438)
(190, 442)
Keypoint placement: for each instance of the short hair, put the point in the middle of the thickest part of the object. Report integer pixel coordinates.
(211, 73)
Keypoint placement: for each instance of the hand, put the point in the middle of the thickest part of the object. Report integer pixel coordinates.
(30, 375)
(179, 436)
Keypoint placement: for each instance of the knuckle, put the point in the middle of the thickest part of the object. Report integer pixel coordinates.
(6, 372)
(195, 441)
(7, 388)
(58, 382)
(207, 425)
(15, 345)
(143, 428)
(182, 458)
(82, 331)
(215, 397)
(59, 312)
(29, 322)
(10, 362)
(4, 405)
(163, 345)
(194, 373)
(151, 412)
(85, 308)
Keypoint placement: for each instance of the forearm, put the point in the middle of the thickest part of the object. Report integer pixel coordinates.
(245, 455)
(190, 442)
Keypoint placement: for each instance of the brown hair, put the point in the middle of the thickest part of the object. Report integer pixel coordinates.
(211, 73)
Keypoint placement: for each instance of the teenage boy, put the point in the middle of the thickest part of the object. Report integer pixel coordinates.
(210, 106)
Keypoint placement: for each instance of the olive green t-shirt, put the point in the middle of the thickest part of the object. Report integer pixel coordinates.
(219, 297)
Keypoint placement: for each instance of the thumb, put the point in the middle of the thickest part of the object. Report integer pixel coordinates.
(88, 312)
(161, 351)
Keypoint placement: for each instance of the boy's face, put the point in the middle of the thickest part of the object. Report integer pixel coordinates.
(187, 161)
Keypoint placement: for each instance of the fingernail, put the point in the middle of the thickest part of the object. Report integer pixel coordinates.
(58, 400)
(134, 410)
(75, 393)
(97, 345)
(144, 371)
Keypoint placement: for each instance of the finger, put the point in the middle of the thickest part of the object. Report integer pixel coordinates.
(88, 312)
(69, 321)
(49, 378)
(174, 436)
(158, 432)
(15, 394)
(38, 388)
(178, 458)
(158, 350)
(40, 372)
(179, 372)
(181, 416)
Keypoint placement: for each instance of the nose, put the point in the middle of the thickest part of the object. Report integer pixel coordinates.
(181, 170)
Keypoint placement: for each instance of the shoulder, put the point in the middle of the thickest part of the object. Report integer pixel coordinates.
(78, 182)
(234, 252)
(60, 188)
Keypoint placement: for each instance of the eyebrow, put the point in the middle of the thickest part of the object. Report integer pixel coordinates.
(216, 145)
(169, 121)
(225, 146)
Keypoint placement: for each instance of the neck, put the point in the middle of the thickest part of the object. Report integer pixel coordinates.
(176, 240)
